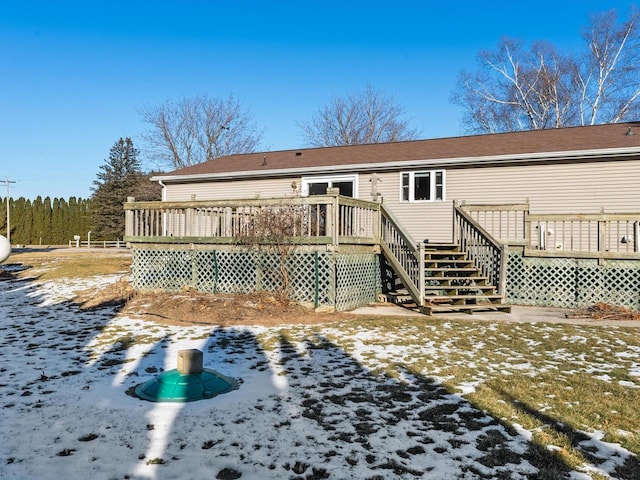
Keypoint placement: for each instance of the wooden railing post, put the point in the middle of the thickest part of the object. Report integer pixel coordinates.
(188, 220)
(454, 226)
(602, 236)
(504, 261)
(333, 216)
(128, 219)
(377, 223)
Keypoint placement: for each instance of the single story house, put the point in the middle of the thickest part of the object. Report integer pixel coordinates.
(547, 217)
(584, 170)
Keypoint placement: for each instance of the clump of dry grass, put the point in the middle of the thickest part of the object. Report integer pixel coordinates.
(118, 293)
(604, 311)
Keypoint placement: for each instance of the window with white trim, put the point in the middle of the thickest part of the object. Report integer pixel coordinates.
(422, 186)
(348, 185)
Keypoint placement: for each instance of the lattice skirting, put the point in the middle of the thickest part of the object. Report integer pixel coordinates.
(572, 283)
(340, 281)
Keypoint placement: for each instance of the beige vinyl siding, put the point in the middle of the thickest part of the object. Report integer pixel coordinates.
(551, 188)
(579, 187)
(223, 190)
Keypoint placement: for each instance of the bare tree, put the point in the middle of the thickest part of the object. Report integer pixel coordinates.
(366, 117)
(196, 129)
(609, 77)
(530, 89)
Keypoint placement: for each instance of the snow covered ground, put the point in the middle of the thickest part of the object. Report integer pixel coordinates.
(307, 408)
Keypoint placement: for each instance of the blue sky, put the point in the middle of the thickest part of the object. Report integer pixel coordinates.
(75, 74)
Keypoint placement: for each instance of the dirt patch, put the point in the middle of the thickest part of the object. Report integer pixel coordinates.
(195, 308)
(223, 310)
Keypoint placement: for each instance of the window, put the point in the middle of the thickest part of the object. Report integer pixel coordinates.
(348, 185)
(425, 186)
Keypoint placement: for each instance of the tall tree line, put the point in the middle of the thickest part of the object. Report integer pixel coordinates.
(45, 221)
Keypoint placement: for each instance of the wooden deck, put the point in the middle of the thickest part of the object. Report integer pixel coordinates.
(328, 220)
(333, 223)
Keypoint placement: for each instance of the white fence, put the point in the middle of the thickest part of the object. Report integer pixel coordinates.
(97, 244)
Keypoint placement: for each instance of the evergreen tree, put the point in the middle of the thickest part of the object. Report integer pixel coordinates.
(57, 224)
(37, 229)
(79, 217)
(17, 209)
(47, 230)
(118, 178)
(26, 224)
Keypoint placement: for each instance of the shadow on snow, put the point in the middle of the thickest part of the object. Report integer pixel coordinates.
(307, 409)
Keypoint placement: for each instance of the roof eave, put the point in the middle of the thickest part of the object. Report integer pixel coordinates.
(510, 159)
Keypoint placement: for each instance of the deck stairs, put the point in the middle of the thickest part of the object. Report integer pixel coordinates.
(452, 284)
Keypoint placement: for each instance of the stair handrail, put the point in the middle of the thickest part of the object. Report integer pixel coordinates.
(403, 254)
(489, 255)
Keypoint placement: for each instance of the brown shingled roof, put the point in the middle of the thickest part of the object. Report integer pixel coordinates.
(572, 139)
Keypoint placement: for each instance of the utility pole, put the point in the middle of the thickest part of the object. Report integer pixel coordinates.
(6, 183)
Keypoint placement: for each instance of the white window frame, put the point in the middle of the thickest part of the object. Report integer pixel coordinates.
(330, 179)
(411, 194)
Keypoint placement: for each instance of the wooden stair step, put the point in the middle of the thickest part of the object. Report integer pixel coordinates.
(448, 290)
(441, 246)
(470, 309)
(431, 264)
(451, 271)
(399, 296)
(445, 253)
(470, 299)
(446, 281)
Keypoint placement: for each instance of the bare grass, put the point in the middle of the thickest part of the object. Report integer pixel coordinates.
(52, 264)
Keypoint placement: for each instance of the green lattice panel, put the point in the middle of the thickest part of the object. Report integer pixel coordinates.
(237, 272)
(357, 280)
(620, 285)
(161, 269)
(206, 268)
(303, 268)
(590, 283)
(572, 283)
(541, 281)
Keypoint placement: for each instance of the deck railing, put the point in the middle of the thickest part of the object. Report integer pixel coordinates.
(406, 258)
(596, 235)
(319, 219)
(488, 254)
(504, 222)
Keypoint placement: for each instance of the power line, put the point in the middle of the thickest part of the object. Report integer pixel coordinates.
(6, 184)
